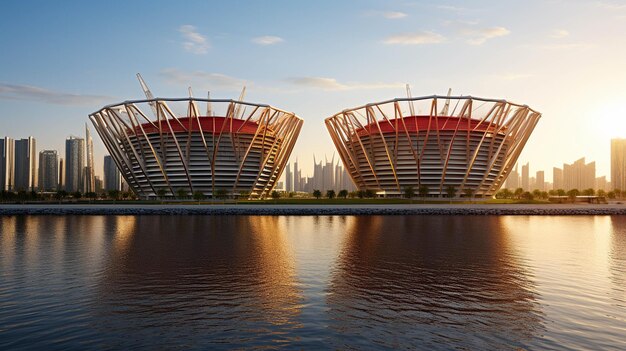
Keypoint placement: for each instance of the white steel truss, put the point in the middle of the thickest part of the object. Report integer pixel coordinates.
(239, 148)
(435, 141)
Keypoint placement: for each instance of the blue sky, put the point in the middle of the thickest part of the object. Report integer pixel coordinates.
(62, 60)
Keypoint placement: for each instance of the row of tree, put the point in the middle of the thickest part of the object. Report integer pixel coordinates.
(62, 195)
(519, 193)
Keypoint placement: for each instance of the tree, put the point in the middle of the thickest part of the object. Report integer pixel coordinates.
(527, 195)
(423, 191)
(161, 193)
(330, 194)
(518, 193)
(589, 192)
(220, 194)
(601, 193)
(197, 195)
(317, 194)
(60, 195)
(343, 193)
(91, 195)
(181, 193)
(536, 193)
(114, 194)
(451, 191)
(544, 195)
(572, 194)
(275, 195)
(369, 193)
(77, 195)
(469, 192)
(360, 194)
(611, 195)
(409, 192)
(560, 192)
(353, 194)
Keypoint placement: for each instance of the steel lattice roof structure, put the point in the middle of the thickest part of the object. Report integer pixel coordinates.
(467, 143)
(164, 145)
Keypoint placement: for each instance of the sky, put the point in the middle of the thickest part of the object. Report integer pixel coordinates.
(62, 60)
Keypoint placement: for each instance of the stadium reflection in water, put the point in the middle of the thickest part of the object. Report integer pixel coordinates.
(397, 282)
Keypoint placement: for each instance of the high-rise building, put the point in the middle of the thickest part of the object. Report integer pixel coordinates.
(579, 175)
(99, 185)
(601, 183)
(288, 178)
(296, 177)
(89, 177)
(48, 170)
(540, 181)
(112, 176)
(7, 164)
(557, 178)
(74, 163)
(525, 175)
(328, 175)
(61, 174)
(25, 164)
(618, 164)
(512, 181)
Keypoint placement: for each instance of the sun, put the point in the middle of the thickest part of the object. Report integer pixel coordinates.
(611, 119)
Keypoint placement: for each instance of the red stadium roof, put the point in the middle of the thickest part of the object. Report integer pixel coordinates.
(213, 125)
(422, 123)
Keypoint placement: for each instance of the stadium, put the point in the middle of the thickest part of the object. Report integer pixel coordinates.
(168, 148)
(445, 145)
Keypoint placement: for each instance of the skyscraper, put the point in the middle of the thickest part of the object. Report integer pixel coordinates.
(557, 178)
(512, 181)
(296, 177)
(48, 170)
(540, 181)
(25, 164)
(579, 175)
(288, 178)
(618, 164)
(61, 174)
(112, 176)
(7, 163)
(525, 177)
(74, 161)
(89, 177)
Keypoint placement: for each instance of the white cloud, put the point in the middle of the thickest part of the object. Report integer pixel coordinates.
(394, 15)
(32, 93)
(478, 36)
(415, 39)
(332, 84)
(194, 42)
(559, 34)
(202, 80)
(267, 40)
(513, 76)
(611, 5)
(451, 8)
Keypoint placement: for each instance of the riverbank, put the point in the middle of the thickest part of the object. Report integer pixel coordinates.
(317, 210)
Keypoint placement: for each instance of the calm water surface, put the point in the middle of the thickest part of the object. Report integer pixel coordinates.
(397, 282)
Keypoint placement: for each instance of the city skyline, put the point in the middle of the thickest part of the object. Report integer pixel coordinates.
(553, 65)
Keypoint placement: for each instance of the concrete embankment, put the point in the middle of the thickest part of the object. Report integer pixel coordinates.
(315, 210)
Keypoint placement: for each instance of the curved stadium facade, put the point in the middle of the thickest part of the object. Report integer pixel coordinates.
(440, 142)
(165, 147)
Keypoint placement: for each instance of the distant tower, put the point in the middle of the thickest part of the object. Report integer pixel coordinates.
(25, 164)
(112, 176)
(7, 164)
(48, 170)
(90, 181)
(525, 177)
(618, 164)
(288, 178)
(296, 177)
(74, 163)
(540, 181)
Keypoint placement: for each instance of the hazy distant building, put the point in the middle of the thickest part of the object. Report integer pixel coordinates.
(601, 183)
(112, 176)
(540, 181)
(7, 163)
(579, 175)
(48, 170)
(99, 185)
(618, 164)
(557, 178)
(25, 164)
(512, 181)
(288, 178)
(525, 175)
(296, 177)
(74, 163)
(61, 185)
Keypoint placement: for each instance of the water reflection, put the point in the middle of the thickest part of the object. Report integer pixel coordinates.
(446, 282)
(618, 258)
(226, 281)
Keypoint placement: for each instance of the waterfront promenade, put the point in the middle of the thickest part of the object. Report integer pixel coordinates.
(314, 210)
